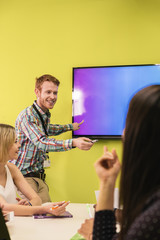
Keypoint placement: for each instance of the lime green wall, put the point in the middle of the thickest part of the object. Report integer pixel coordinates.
(39, 37)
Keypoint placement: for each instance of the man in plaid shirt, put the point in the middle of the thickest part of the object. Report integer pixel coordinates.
(33, 129)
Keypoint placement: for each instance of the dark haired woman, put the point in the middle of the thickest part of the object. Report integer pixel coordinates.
(140, 177)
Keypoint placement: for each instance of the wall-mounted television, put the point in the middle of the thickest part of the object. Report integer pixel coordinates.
(101, 96)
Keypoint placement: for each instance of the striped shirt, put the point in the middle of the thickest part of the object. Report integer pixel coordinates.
(33, 140)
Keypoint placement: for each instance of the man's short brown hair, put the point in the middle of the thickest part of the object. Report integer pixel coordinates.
(44, 78)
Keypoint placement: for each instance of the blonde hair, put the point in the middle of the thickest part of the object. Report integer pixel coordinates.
(7, 138)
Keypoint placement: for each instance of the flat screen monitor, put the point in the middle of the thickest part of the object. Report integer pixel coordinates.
(101, 97)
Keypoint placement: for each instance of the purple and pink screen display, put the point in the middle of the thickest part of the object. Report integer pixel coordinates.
(101, 96)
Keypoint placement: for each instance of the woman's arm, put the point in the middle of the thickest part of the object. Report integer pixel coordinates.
(21, 183)
(20, 210)
(107, 168)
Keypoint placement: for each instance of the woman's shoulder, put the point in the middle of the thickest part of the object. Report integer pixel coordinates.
(155, 197)
(152, 206)
(12, 168)
(11, 165)
(147, 223)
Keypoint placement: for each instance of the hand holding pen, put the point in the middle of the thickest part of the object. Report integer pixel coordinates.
(56, 208)
(23, 202)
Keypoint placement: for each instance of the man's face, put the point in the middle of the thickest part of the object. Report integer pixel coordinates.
(47, 95)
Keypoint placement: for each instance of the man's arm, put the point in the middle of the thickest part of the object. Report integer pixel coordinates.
(82, 143)
(56, 129)
(36, 135)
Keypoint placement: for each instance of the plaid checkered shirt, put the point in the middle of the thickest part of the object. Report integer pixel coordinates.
(34, 142)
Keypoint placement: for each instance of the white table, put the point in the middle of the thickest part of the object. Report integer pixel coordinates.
(28, 228)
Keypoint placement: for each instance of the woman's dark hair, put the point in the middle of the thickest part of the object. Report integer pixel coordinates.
(141, 154)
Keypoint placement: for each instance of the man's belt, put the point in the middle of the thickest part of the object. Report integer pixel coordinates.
(40, 175)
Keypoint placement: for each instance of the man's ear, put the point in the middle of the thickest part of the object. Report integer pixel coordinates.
(37, 92)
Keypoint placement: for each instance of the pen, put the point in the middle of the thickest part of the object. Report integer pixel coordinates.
(29, 203)
(93, 141)
(56, 206)
(89, 210)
